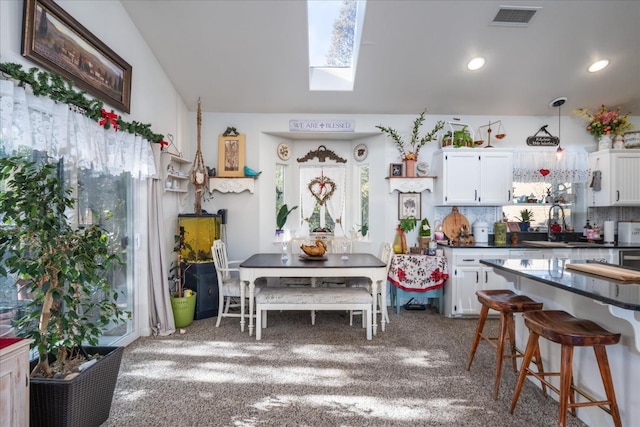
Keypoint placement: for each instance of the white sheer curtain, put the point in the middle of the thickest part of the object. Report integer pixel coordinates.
(335, 204)
(38, 123)
(573, 166)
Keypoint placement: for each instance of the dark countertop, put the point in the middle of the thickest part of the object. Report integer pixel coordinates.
(552, 272)
(543, 245)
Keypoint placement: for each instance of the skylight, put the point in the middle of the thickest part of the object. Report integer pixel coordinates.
(335, 31)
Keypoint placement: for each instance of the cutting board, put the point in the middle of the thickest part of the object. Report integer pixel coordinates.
(453, 222)
(608, 271)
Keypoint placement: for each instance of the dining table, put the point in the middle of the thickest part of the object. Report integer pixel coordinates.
(265, 265)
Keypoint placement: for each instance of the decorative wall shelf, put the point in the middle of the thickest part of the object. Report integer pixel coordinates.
(411, 185)
(231, 185)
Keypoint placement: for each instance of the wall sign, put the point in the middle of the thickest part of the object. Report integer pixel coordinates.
(322, 125)
(544, 140)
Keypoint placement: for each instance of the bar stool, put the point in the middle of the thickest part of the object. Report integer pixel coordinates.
(562, 328)
(506, 303)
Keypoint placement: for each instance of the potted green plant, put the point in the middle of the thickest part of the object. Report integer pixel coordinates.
(409, 152)
(183, 301)
(281, 217)
(525, 218)
(65, 271)
(424, 234)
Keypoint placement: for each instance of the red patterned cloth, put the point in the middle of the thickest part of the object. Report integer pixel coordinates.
(418, 273)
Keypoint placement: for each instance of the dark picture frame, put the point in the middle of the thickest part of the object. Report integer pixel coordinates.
(396, 169)
(55, 40)
(409, 204)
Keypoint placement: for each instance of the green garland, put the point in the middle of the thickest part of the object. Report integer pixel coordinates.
(55, 87)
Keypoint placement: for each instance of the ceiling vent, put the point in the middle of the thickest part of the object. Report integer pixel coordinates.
(514, 16)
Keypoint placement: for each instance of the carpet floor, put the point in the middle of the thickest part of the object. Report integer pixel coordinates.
(325, 374)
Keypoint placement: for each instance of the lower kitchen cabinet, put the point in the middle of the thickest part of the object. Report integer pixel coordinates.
(466, 277)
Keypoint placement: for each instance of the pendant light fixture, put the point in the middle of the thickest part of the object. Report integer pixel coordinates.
(557, 103)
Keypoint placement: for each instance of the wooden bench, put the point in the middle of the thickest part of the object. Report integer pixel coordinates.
(308, 298)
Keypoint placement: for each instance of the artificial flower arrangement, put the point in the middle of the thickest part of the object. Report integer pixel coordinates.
(605, 122)
(410, 151)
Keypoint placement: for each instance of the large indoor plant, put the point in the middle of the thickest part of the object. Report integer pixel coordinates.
(65, 271)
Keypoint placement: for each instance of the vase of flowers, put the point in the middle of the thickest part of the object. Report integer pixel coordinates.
(605, 124)
(409, 151)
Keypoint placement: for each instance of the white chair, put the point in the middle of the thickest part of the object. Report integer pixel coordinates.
(228, 283)
(386, 255)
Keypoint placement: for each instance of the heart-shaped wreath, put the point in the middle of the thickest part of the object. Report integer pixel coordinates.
(322, 188)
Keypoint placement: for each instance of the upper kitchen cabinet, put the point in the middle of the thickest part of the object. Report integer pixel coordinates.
(615, 175)
(476, 176)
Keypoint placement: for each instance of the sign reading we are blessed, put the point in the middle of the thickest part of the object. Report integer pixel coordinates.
(322, 125)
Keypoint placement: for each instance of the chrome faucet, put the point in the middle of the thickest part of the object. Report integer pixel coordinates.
(550, 236)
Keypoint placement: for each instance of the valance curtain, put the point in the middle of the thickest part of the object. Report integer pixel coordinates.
(573, 166)
(38, 123)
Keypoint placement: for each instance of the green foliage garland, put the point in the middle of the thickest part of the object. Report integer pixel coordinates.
(55, 87)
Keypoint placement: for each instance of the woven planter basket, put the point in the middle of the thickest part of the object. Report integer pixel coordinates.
(84, 401)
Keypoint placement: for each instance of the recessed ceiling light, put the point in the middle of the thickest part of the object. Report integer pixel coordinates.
(598, 65)
(475, 64)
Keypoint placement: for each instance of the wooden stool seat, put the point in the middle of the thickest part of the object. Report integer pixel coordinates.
(507, 303)
(506, 300)
(568, 331)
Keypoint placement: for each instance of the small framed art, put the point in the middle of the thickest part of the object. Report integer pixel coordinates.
(513, 227)
(395, 169)
(409, 204)
(231, 156)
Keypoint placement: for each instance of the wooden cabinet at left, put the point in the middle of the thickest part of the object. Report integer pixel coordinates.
(14, 382)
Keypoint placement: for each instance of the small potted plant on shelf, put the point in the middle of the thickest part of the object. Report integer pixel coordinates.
(65, 271)
(525, 218)
(424, 234)
(409, 151)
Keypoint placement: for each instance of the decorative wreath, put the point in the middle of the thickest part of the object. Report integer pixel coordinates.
(322, 188)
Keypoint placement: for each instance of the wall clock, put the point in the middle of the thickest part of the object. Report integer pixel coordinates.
(284, 152)
(360, 152)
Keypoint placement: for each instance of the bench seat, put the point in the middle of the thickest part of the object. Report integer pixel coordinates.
(307, 298)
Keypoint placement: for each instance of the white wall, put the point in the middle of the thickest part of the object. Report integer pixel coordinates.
(154, 100)
(251, 220)
(252, 216)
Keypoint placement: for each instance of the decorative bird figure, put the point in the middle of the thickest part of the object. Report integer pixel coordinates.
(250, 172)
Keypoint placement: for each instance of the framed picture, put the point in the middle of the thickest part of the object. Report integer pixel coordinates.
(409, 204)
(231, 156)
(59, 43)
(395, 169)
(513, 227)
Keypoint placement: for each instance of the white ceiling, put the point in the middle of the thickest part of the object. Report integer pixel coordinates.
(251, 56)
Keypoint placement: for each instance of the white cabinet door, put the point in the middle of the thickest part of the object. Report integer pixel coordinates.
(472, 177)
(492, 280)
(620, 174)
(460, 178)
(467, 281)
(496, 178)
(626, 179)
